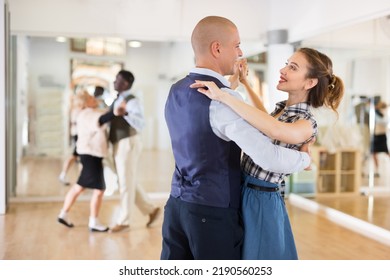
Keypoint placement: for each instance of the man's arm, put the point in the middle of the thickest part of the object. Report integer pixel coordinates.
(131, 111)
(134, 114)
(106, 117)
(229, 126)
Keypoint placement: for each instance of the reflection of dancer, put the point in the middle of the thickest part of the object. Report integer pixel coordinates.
(77, 104)
(362, 113)
(91, 148)
(379, 144)
(126, 121)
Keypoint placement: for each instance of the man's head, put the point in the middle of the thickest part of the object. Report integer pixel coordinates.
(124, 81)
(98, 91)
(216, 44)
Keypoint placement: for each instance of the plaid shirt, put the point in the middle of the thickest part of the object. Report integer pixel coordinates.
(290, 114)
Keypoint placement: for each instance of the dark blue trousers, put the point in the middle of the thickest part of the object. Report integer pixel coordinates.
(198, 232)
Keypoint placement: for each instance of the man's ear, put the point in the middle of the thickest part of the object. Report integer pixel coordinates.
(215, 48)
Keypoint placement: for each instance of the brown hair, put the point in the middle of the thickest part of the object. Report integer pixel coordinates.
(79, 99)
(330, 89)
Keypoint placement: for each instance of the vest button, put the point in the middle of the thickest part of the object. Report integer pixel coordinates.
(203, 220)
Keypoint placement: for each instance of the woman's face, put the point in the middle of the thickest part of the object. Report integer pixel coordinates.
(293, 75)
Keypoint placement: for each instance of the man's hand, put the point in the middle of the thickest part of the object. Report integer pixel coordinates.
(307, 149)
(121, 109)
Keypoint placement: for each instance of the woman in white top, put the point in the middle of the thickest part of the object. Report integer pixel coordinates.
(91, 148)
(77, 105)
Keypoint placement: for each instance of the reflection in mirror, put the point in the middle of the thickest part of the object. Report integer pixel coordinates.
(54, 74)
(365, 65)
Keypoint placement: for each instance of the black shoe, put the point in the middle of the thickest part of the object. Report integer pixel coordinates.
(65, 223)
(99, 229)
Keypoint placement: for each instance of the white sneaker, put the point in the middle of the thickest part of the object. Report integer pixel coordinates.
(97, 227)
(63, 180)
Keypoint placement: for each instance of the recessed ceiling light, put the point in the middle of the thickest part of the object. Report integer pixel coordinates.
(135, 44)
(61, 39)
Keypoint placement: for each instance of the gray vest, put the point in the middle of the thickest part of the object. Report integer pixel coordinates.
(119, 127)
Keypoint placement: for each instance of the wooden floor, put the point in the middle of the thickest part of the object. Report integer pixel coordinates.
(29, 230)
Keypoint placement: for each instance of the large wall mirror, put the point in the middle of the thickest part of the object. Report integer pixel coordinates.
(361, 55)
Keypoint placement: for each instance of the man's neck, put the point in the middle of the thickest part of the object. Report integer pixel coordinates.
(123, 92)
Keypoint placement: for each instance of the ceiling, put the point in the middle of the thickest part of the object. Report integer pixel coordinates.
(318, 24)
(372, 36)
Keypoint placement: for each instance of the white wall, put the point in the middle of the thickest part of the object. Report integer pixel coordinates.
(368, 78)
(2, 114)
(306, 18)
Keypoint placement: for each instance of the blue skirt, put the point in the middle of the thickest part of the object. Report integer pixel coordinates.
(267, 229)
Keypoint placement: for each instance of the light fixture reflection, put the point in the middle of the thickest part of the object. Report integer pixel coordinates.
(61, 39)
(135, 44)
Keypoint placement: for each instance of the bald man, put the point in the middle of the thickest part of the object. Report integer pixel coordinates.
(201, 218)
